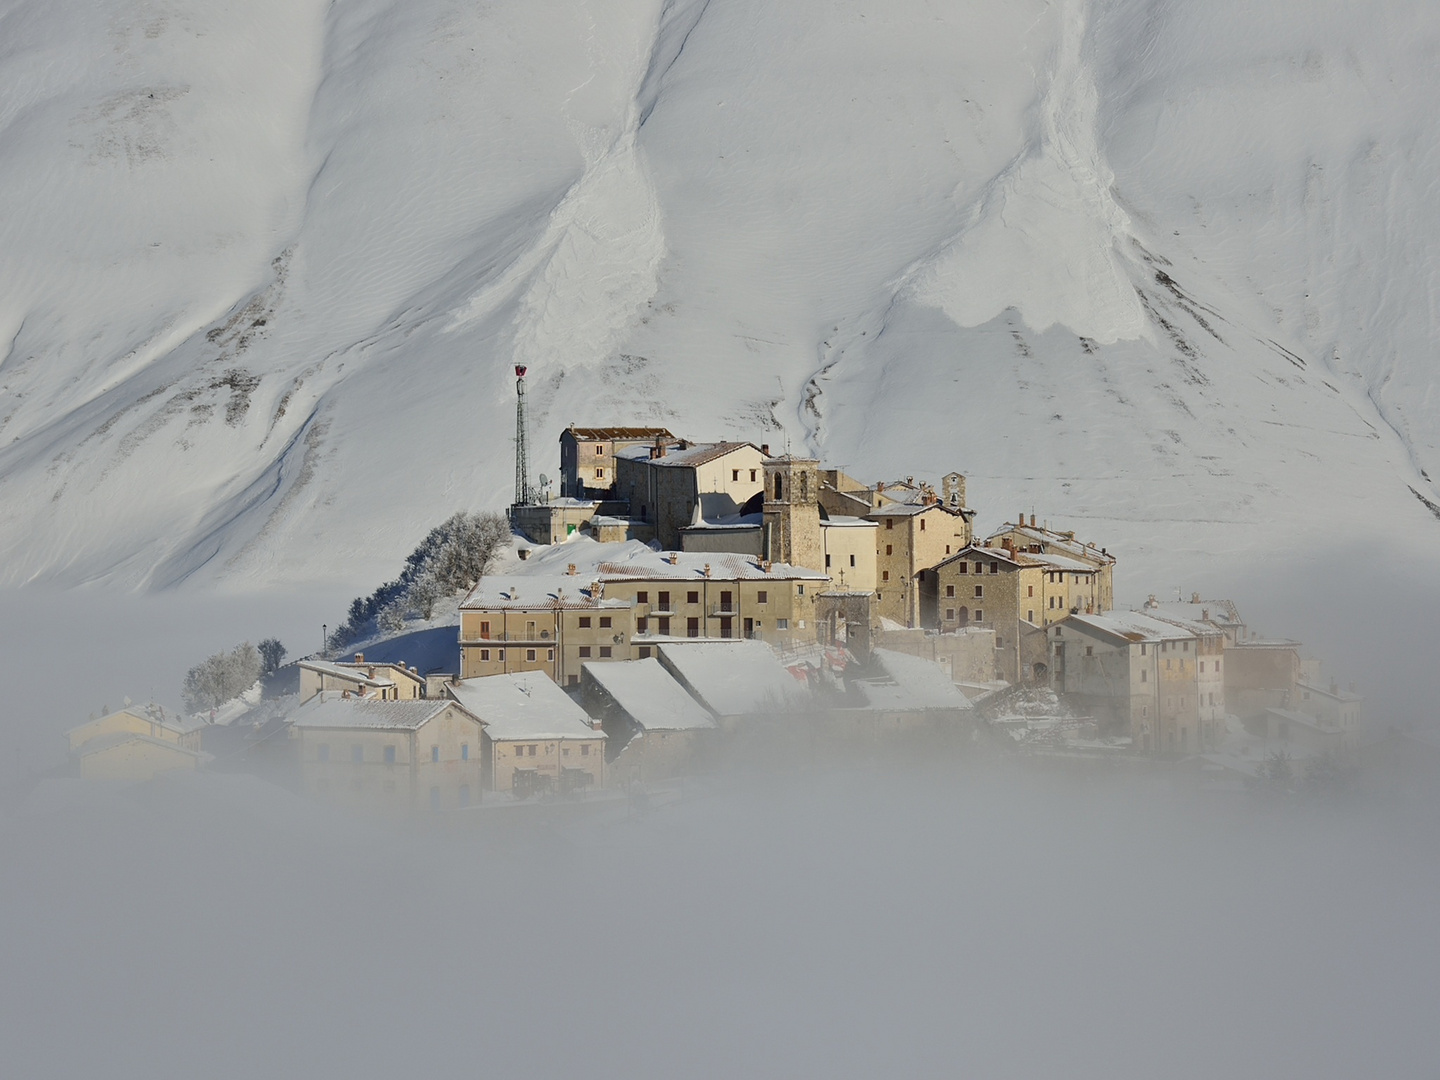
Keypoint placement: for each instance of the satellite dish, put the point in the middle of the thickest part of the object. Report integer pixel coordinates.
(544, 480)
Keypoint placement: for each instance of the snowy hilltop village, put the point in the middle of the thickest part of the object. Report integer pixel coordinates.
(678, 605)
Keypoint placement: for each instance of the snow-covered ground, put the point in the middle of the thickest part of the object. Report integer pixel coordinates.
(1164, 271)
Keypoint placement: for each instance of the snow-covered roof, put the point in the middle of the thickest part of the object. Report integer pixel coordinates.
(1304, 719)
(347, 672)
(844, 521)
(524, 705)
(1337, 693)
(922, 679)
(733, 678)
(1066, 541)
(1129, 626)
(1167, 613)
(524, 591)
(692, 455)
(648, 693)
(908, 509)
(1219, 612)
(643, 563)
(146, 714)
(330, 709)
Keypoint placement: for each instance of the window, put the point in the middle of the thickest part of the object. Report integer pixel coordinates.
(549, 654)
(884, 575)
(979, 591)
(530, 654)
(947, 549)
(1030, 615)
(922, 524)
(585, 749)
(434, 753)
(484, 654)
(949, 614)
(484, 629)
(464, 751)
(889, 523)
(692, 627)
(584, 652)
(665, 626)
(752, 474)
(664, 601)
(979, 615)
(642, 625)
(599, 450)
(1202, 667)
(949, 590)
(606, 652)
(692, 597)
(530, 630)
(571, 680)
(1184, 646)
(322, 752)
(962, 567)
(1167, 663)
(606, 622)
(519, 751)
(584, 622)
(1089, 650)
(500, 654)
(644, 652)
(1030, 590)
(800, 590)
(642, 597)
(889, 549)
(827, 560)
(735, 474)
(762, 597)
(532, 749)
(599, 474)
(782, 624)
(1144, 676)
(357, 753)
(994, 568)
(852, 560)
(1142, 650)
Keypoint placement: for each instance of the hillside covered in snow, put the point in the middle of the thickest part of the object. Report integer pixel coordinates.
(1164, 270)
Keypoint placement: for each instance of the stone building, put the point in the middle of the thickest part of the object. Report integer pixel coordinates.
(388, 755)
(151, 720)
(587, 457)
(1136, 675)
(664, 483)
(910, 541)
(131, 757)
(386, 681)
(1261, 674)
(536, 738)
(1210, 641)
(1033, 539)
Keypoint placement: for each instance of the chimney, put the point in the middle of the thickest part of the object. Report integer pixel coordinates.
(765, 448)
(597, 589)
(345, 694)
(1032, 520)
(1151, 602)
(1204, 614)
(707, 569)
(1008, 545)
(570, 569)
(359, 658)
(1194, 598)
(1020, 521)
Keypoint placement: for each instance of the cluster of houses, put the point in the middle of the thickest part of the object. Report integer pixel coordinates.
(676, 591)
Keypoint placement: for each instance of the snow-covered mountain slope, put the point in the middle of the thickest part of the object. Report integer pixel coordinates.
(1163, 269)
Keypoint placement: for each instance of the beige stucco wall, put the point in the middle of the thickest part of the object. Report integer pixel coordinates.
(849, 555)
(329, 769)
(545, 756)
(907, 546)
(122, 721)
(134, 761)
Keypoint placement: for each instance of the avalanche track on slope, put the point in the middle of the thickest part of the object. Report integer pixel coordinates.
(1159, 268)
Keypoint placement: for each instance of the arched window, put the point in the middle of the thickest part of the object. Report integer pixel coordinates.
(964, 616)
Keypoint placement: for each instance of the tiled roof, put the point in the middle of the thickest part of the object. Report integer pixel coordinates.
(608, 433)
(692, 455)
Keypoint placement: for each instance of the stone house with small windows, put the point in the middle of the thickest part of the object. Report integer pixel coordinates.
(666, 482)
(387, 681)
(1070, 554)
(1335, 707)
(911, 540)
(387, 755)
(537, 739)
(1136, 675)
(587, 457)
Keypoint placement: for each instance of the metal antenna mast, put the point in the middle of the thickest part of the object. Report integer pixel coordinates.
(523, 493)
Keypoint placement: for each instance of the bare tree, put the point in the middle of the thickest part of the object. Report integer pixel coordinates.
(214, 681)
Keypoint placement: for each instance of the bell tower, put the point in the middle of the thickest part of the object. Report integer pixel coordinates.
(792, 512)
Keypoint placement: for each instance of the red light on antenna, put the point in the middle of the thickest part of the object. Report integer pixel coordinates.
(519, 371)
